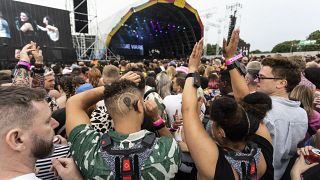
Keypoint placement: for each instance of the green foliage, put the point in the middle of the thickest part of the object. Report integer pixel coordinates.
(293, 46)
(257, 51)
(314, 35)
(287, 46)
(211, 49)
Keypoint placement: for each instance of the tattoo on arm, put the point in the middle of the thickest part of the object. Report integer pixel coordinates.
(21, 77)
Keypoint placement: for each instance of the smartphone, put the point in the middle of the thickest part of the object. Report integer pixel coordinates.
(313, 157)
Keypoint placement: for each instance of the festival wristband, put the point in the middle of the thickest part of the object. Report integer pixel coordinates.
(231, 60)
(158, 123)
(24, 63)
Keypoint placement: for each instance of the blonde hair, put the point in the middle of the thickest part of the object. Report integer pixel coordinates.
(208, 71)
(94, 76)
(171, 72)
(305, 96)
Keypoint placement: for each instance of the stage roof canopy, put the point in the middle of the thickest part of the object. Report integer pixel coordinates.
(155, 28)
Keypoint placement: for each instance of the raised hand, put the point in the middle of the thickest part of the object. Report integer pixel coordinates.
(151, 109)
(24, 52)
(231, 48)
(37, 53)
(194, 60)
(131, 76)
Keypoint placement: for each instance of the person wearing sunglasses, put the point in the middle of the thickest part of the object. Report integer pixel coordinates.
(286, 121)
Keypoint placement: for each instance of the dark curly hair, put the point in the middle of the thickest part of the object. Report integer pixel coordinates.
(240, 120)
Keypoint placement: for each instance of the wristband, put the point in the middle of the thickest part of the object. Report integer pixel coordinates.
(24, 63)
(231, 60)
(159, 122)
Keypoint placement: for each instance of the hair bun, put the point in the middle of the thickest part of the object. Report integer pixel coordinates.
(257, 104)
(223, 108)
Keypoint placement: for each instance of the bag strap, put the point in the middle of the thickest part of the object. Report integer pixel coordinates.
(146, 142)
(148, 92)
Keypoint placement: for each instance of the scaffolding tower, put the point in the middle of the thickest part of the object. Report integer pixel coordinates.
(84, 43)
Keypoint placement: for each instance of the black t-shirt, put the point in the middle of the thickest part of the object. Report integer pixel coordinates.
(224, 169)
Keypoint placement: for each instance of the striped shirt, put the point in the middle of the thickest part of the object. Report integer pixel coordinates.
(44, 165)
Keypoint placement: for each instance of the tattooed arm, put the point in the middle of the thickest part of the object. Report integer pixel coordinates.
(21, 77)
(22, 73)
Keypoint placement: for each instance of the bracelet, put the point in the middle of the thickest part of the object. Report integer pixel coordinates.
(24, 63)
(38, 65)
(159, 122)
(38, 70)
(231, 60)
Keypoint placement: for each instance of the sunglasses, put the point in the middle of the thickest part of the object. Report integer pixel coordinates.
(259, 77)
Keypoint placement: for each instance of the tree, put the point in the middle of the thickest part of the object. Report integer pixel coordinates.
(314, 35)
(257, 51)
(211, 49)
(286, 46)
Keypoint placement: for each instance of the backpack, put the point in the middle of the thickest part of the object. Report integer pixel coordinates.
(126, 164)
(245, 162)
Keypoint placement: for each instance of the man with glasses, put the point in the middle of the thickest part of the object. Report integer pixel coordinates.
(286, 122)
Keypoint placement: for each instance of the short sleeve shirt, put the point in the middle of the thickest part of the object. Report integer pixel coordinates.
(162, 163)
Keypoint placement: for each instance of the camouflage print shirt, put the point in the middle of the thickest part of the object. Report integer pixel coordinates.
(162, 163)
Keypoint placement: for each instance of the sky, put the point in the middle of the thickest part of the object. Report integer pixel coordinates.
(263, 23)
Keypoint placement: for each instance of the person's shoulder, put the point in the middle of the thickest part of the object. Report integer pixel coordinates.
(82, 131)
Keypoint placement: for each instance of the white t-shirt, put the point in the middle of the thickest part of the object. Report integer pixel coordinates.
(30, 176)
(173, 103)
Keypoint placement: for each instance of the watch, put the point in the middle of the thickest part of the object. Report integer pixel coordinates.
(196, 79)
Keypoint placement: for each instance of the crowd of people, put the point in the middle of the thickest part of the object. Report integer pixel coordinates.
(229, 118)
